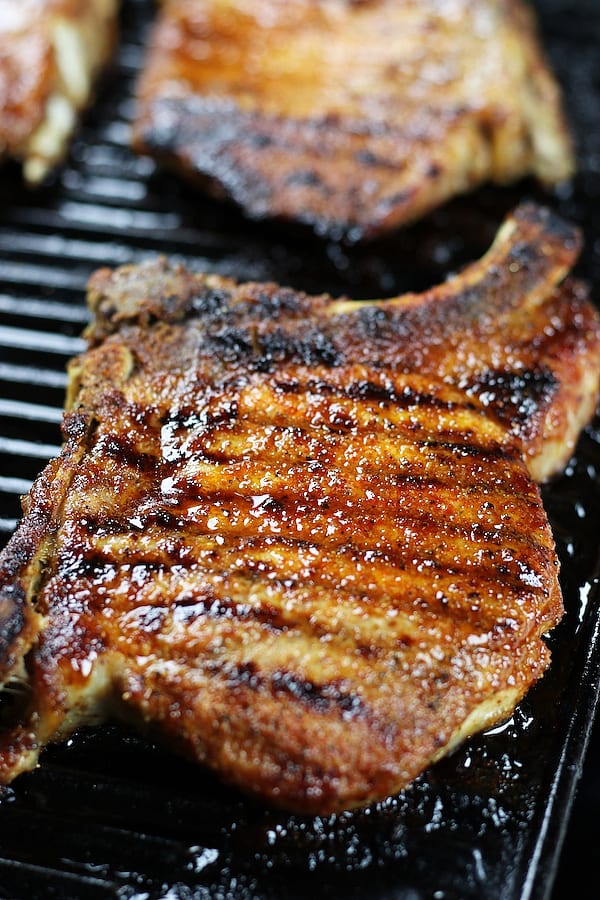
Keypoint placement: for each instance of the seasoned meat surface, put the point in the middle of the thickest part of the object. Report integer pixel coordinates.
(299, 538)
(352, 118)
(51, 53)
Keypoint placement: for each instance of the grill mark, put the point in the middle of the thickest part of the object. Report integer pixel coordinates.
(224, 412)
(317, 497)
(403, 549)
(341, 635)
(313, 423)
(219, 608)
(476, 611)
(279, 302)
(379, 463)
(306, 178)
(514, 394)
(122, 449)
(214, 302)
(366, 390)
(312, 348)
(264, 352)
(230, 560)
(279, 620)
(98, 526)
(323, 698)
(232, 343)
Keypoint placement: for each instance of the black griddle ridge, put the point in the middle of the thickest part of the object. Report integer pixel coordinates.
(111, 815)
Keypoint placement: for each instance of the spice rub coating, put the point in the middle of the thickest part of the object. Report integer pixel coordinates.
(299, 538)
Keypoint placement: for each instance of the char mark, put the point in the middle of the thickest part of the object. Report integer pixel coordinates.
(233, 344)
(515, 394)
(406, 397)
(313, 348)
(213, 302)
(210, 606)
(123, 450)
(187, 418)
(277, 302)
(12, 621)
(320, 698)
(306, 178)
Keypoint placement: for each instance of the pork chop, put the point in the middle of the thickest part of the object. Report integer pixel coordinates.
(351, 117)
(299, 538)
(51, 54)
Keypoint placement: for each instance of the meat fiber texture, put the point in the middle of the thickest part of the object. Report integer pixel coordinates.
(301, 539)
(350, 118)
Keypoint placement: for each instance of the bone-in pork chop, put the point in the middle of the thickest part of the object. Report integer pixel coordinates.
(350, 117)
(301, 538)
(51, 54)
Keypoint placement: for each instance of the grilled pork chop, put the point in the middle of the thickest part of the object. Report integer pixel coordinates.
(351, 117)
(51, 53)
(299, 537)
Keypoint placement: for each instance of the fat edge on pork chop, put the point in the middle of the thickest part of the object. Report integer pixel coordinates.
(301, 539)
(51, 55)
(350, 118)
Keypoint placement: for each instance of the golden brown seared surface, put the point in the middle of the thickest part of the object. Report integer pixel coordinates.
(353, 118)
(51, 52)
(296, 536)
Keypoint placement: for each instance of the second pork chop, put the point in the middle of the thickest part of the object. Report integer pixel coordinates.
(353, 118)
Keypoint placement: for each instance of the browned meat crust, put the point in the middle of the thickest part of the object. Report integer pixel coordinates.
(51, 53)
(297, 536)
(353, 118)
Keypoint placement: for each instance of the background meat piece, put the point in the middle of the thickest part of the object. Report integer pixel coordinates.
(353, 118)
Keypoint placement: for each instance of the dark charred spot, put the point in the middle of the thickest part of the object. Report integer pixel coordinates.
(75, 425)
(90, 565)
(103, 526)
(400, 198)
(270, 304)
(124, 451)
(550, 222)
(522, 254)
(186, 418)
(569, 235)
(320, 697)
(366, 158)
(244, 675)
(164, 519)
(233, 344)
(224, 608)
(12, 618)
(289, 387)
(511, 394)
(312, 349)
(305, 178)
(373, 319)
(369, 390)
(212, 302)
(258, 140)
(473, 451)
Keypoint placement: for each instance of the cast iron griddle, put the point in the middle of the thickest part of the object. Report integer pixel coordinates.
(109, 815)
